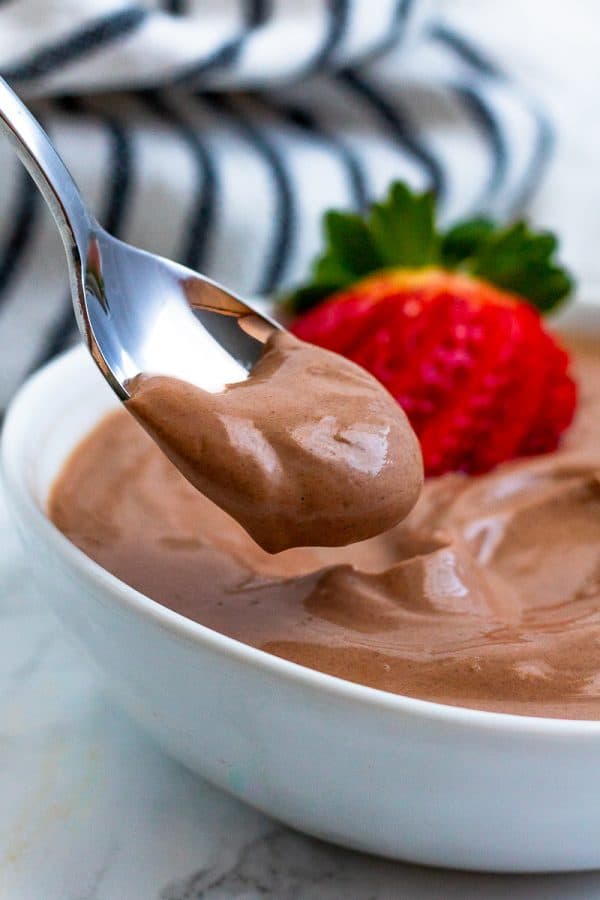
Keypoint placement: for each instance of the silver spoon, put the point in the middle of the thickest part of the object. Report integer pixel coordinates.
(137, 313)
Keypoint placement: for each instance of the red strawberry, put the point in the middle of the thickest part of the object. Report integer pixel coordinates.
(479, 377)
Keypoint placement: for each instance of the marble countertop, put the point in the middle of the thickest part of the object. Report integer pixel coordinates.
(90, 809)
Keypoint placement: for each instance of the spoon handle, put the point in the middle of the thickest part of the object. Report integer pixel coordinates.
(47, 169)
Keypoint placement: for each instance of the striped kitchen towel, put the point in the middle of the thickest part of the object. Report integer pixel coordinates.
(216, 132)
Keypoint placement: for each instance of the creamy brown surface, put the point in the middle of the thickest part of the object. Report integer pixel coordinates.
(487, 596)
(310, 450)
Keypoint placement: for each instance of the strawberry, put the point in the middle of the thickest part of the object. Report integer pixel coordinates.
(450, 323)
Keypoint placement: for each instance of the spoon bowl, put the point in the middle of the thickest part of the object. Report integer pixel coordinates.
(145, 314)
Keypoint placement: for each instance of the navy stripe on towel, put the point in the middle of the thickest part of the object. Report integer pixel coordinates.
(22, 219)
(84, 40)
(337, 21)
(175, 7)
(256, 12)
(493, 134)
(482, 65)
(467, 52)
(542, 151)
(302, 118)
(118, 188)
(284, 217)
(201, 218)
(394, 33)
(399, 128)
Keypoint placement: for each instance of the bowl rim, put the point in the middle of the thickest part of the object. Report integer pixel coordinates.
(21, 412)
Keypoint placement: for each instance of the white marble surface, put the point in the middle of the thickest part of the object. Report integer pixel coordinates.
(92, 810)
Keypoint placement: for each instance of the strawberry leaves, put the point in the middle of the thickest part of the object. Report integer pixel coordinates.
(464, 240)
(400, 232)
(403, 228)
(521, 261)
(350, 254)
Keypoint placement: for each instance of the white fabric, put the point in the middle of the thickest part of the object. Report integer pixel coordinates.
(255, 117)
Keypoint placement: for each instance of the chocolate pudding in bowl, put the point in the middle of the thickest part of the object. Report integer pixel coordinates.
(487, 596)
(383, 772)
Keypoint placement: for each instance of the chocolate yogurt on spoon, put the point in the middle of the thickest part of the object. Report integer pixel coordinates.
(310, 450)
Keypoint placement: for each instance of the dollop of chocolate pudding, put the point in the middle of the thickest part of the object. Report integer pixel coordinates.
(309, 450)
(487, 596)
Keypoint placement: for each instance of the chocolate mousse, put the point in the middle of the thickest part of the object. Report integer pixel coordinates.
(487, 595)
(309, 450)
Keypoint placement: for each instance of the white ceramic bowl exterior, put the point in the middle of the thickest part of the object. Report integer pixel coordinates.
(386, 774)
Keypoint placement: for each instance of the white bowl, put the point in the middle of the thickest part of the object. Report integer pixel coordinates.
(391, 775)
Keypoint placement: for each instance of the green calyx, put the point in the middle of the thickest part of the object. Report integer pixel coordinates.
(400, 232)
